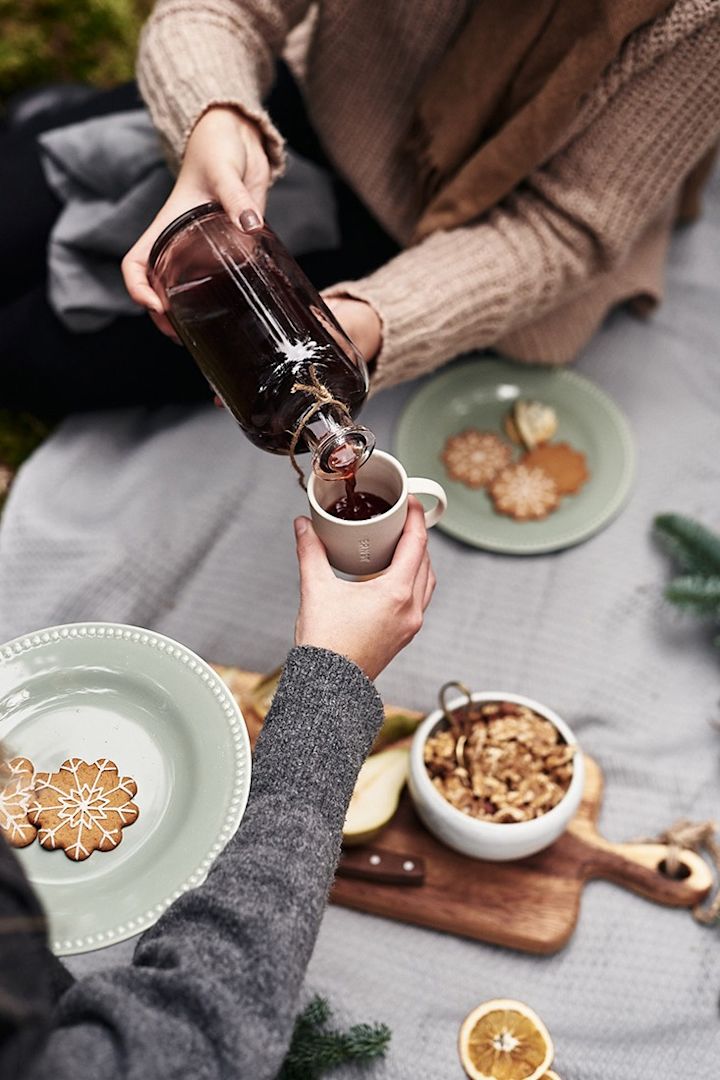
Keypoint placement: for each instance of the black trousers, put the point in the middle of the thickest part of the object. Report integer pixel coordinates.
(49, 370)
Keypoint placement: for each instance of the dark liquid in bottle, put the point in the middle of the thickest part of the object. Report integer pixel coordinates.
(257, 338)
(357, 505)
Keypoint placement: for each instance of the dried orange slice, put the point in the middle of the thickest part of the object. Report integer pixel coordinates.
(550, 1075)
(505, 1040)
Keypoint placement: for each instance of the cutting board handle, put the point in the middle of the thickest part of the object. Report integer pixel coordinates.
(640, 867)
(636, 866)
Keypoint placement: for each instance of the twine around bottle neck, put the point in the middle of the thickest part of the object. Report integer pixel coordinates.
(323, 397)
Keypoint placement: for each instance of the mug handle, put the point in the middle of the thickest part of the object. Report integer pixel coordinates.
(421, 485)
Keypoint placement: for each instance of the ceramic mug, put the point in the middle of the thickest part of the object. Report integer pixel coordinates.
(364, 548)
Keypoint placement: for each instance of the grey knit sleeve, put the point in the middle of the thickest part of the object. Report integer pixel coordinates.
(213, 986)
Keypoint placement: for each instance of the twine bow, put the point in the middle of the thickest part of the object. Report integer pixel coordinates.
(322, 396)
(698, 836)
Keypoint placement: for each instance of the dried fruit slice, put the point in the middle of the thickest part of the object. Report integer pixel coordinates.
(531, 423)
(504, 1040)
(550, 1075)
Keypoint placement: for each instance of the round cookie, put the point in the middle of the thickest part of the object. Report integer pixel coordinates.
(566, 466)
(524, 494)
(17, 778)
(475, 457)
(82, 807)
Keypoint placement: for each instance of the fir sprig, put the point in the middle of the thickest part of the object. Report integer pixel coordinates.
(315, 1049)
(696, 549)
(696, 593)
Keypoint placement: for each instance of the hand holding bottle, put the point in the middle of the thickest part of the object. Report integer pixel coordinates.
(224, 162)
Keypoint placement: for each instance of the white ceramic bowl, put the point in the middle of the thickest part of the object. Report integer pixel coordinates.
(497, 841)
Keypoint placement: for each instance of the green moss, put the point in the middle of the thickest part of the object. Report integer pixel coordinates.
(20, 434)
(91, 41)
(41, 41)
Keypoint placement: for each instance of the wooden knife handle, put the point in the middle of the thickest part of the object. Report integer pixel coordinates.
(384, 867)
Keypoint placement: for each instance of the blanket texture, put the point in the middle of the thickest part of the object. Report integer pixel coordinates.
(172, 520)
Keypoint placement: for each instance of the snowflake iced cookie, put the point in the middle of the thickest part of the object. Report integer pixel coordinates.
(16, 788)
(524, 494)
(475, 457)
(82, 807)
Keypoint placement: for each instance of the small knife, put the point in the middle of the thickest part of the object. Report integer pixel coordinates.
(383, 867)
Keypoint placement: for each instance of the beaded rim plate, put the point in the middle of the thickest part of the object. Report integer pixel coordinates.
(94, 690)
(478, 394)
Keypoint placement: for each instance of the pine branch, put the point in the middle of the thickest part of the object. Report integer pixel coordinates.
(696, 593)
(694, 547)
(315, 1050)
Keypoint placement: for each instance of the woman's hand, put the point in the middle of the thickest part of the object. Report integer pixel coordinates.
(369, 622)
(361, 323)
(224, 162)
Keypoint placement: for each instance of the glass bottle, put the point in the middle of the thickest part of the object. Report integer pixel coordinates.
(264, 339)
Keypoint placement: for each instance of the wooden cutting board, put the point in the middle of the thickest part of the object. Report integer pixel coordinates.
(531, 904)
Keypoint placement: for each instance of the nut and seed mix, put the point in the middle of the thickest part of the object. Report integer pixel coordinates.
(498, 761)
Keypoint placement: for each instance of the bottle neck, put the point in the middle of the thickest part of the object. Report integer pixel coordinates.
(338, 445)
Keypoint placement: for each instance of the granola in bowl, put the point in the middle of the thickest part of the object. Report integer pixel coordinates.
(490, 760)
(499, 761)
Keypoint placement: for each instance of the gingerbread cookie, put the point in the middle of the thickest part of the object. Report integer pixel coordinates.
(82, 807)
(566, 466)
(524, 494)
(475, 457)
(16, 788)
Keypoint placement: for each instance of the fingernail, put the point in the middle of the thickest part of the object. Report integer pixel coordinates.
(301, 525)
(249, 221)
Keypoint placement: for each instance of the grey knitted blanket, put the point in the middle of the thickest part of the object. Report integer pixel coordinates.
(172, 520)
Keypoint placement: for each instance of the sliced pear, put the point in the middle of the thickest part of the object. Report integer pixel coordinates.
(396, 726)
(376, 795)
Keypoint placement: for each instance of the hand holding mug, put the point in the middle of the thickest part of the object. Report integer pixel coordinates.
(364, 548)
(369, 622)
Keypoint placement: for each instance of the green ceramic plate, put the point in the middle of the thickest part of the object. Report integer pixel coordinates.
(478, 394)
(94, 690)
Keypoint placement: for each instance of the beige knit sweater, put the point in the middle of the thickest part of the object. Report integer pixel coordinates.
(534, 276)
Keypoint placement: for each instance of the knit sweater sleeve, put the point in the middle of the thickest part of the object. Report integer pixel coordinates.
(198, 53)
(575, 218)
(212, 990)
